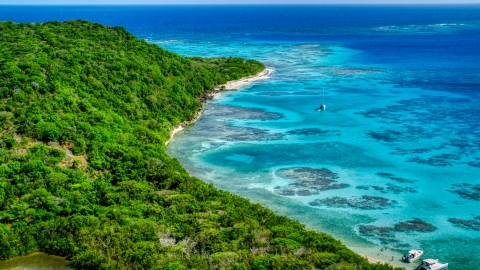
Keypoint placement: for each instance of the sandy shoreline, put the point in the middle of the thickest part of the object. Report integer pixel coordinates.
(394, 263)
(373, 260)
(234, 85)
(231, 85)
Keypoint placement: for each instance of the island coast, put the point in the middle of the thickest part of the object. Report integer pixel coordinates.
(235, 85)
(117, 113)
(231, 85)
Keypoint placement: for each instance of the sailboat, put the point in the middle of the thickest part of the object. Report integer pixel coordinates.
(322, 107)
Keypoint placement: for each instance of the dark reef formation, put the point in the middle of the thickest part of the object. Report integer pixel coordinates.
(273, 94)
(403, 152)
(250, 134)
(308, 181)
(346, 71)
(386, 136)
(386, 235)
(389, 189)
(472, 224)
(289, 93)
(467, 191)
(430, 119)
(395, 178)
(414, 225)
(474, 164)
(365, 202)
(235, 112)
(371, 230)
(437, 160)
(312, 132)
(223, 129)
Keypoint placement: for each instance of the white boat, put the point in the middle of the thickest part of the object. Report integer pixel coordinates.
(322, 107)
(412, 255)
(431, 264)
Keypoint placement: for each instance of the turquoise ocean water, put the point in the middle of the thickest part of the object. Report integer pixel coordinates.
(398, 145)
(394, 161)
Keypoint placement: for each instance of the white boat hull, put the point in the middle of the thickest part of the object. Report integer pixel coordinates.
(442, 266)
(432, 265)
(416, 255)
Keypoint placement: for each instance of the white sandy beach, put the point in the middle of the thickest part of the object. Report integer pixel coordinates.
(174, 131)
(395, 263)
(231, 85)
(234, 85)
(373, 260)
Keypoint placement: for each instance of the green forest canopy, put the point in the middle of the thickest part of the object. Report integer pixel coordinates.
(85, 112)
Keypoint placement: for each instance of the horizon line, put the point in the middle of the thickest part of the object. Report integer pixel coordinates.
(255, 4)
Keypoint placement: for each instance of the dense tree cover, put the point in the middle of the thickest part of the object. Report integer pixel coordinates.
(85, 112)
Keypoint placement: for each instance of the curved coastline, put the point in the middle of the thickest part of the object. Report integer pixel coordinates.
(215, 93)
(234, 85)
(160, 205)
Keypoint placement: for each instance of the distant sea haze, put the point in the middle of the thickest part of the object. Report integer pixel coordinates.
(392, 164)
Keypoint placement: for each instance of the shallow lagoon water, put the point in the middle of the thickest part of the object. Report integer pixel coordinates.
(393, 162)
(406, 157)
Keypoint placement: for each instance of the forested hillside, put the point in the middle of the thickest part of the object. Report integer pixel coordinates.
(85, 111)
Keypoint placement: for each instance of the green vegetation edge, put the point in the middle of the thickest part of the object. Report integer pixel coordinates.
(85, 112)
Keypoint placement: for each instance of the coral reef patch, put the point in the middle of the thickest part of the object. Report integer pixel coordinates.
(370, 230)
(472, 224)
(273, 94)
(474, 164)
(290, 93)
(250, 134)
(386, 235)
(395, 178)
(346, 71)
(307, 181)
(467, 191)
(389, 189)
(437, 160)
(386, 136)
(403, 152)
(414, 225)
(240, 113)
(429, 119)
(224, 129)
(311, 132)
(365, 202)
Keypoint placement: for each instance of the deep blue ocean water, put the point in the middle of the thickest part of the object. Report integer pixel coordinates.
(393, 162)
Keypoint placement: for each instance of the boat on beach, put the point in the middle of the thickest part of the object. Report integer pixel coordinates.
(431, 264)
(412, 255)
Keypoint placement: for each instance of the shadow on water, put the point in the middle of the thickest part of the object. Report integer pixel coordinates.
(36, 261)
